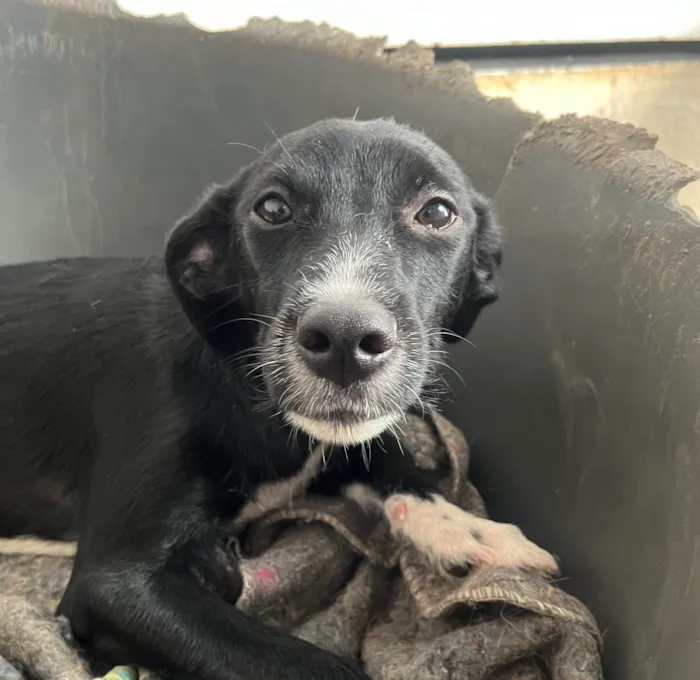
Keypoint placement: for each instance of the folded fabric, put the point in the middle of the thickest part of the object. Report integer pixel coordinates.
(331, 572)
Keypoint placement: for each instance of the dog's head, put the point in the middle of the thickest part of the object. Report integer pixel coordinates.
(355, 250)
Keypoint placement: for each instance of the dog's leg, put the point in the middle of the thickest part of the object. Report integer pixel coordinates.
(161, 618)
(408, 495)
(136, 597)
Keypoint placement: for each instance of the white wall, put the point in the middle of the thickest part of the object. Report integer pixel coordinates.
(454, 22)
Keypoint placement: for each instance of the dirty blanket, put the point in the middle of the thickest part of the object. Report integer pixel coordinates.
(330, 572)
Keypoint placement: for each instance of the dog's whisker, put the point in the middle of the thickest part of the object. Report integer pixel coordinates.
(418, 399)
(282, 168)
(452, 369)
(456, 336)
(245, 146)
(366, 455)
(260, 366)
(279, 141)
(229, 322)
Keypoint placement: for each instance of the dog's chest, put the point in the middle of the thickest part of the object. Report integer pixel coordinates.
(279, 493)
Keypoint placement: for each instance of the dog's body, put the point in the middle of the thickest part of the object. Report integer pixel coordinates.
(140, 420)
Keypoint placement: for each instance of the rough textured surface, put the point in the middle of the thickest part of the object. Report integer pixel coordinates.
(583, 400)
(41, 578)
(297, 562)
(660, 95)
(329, 628)
(411, 59)
(324, 570)
(35, 546)
(625, 152)
(35, 641)
(105, 7)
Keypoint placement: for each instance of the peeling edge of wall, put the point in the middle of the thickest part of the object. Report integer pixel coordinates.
(411, 59)
(625, 152)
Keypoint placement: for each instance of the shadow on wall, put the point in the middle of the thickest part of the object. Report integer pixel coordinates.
(664, 98)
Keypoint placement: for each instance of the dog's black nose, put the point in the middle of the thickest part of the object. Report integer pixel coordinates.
(344, 341)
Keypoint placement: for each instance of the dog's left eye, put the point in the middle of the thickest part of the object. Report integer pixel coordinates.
(273, 209)
(436, 215)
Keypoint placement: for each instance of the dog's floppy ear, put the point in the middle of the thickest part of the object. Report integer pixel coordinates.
(480, 285)
(203, 262)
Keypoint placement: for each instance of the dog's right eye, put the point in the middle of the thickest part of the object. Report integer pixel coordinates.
(273, 209)
(437, 214)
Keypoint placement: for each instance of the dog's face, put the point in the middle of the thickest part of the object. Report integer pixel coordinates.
(355, 249)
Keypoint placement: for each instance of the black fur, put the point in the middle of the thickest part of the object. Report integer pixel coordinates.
(139, 428)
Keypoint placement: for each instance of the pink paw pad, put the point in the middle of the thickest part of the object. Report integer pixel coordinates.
(396, 510)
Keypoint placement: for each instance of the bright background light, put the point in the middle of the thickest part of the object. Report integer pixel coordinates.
(453, 22)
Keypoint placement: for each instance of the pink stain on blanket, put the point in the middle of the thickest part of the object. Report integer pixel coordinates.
(266, 577)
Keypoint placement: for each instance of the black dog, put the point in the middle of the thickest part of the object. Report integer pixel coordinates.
(317, 287)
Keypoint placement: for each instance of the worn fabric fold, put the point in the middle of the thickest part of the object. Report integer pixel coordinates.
(330, 572)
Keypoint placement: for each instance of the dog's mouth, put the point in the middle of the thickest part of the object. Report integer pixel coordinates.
(330, 413)
(342, 428)
(314, 398)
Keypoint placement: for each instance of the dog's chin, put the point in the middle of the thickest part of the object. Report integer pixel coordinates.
(340, 433)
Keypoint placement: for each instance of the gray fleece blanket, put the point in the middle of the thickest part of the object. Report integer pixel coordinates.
(332, 572)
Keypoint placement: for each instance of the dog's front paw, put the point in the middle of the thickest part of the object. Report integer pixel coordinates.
(452, 537)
